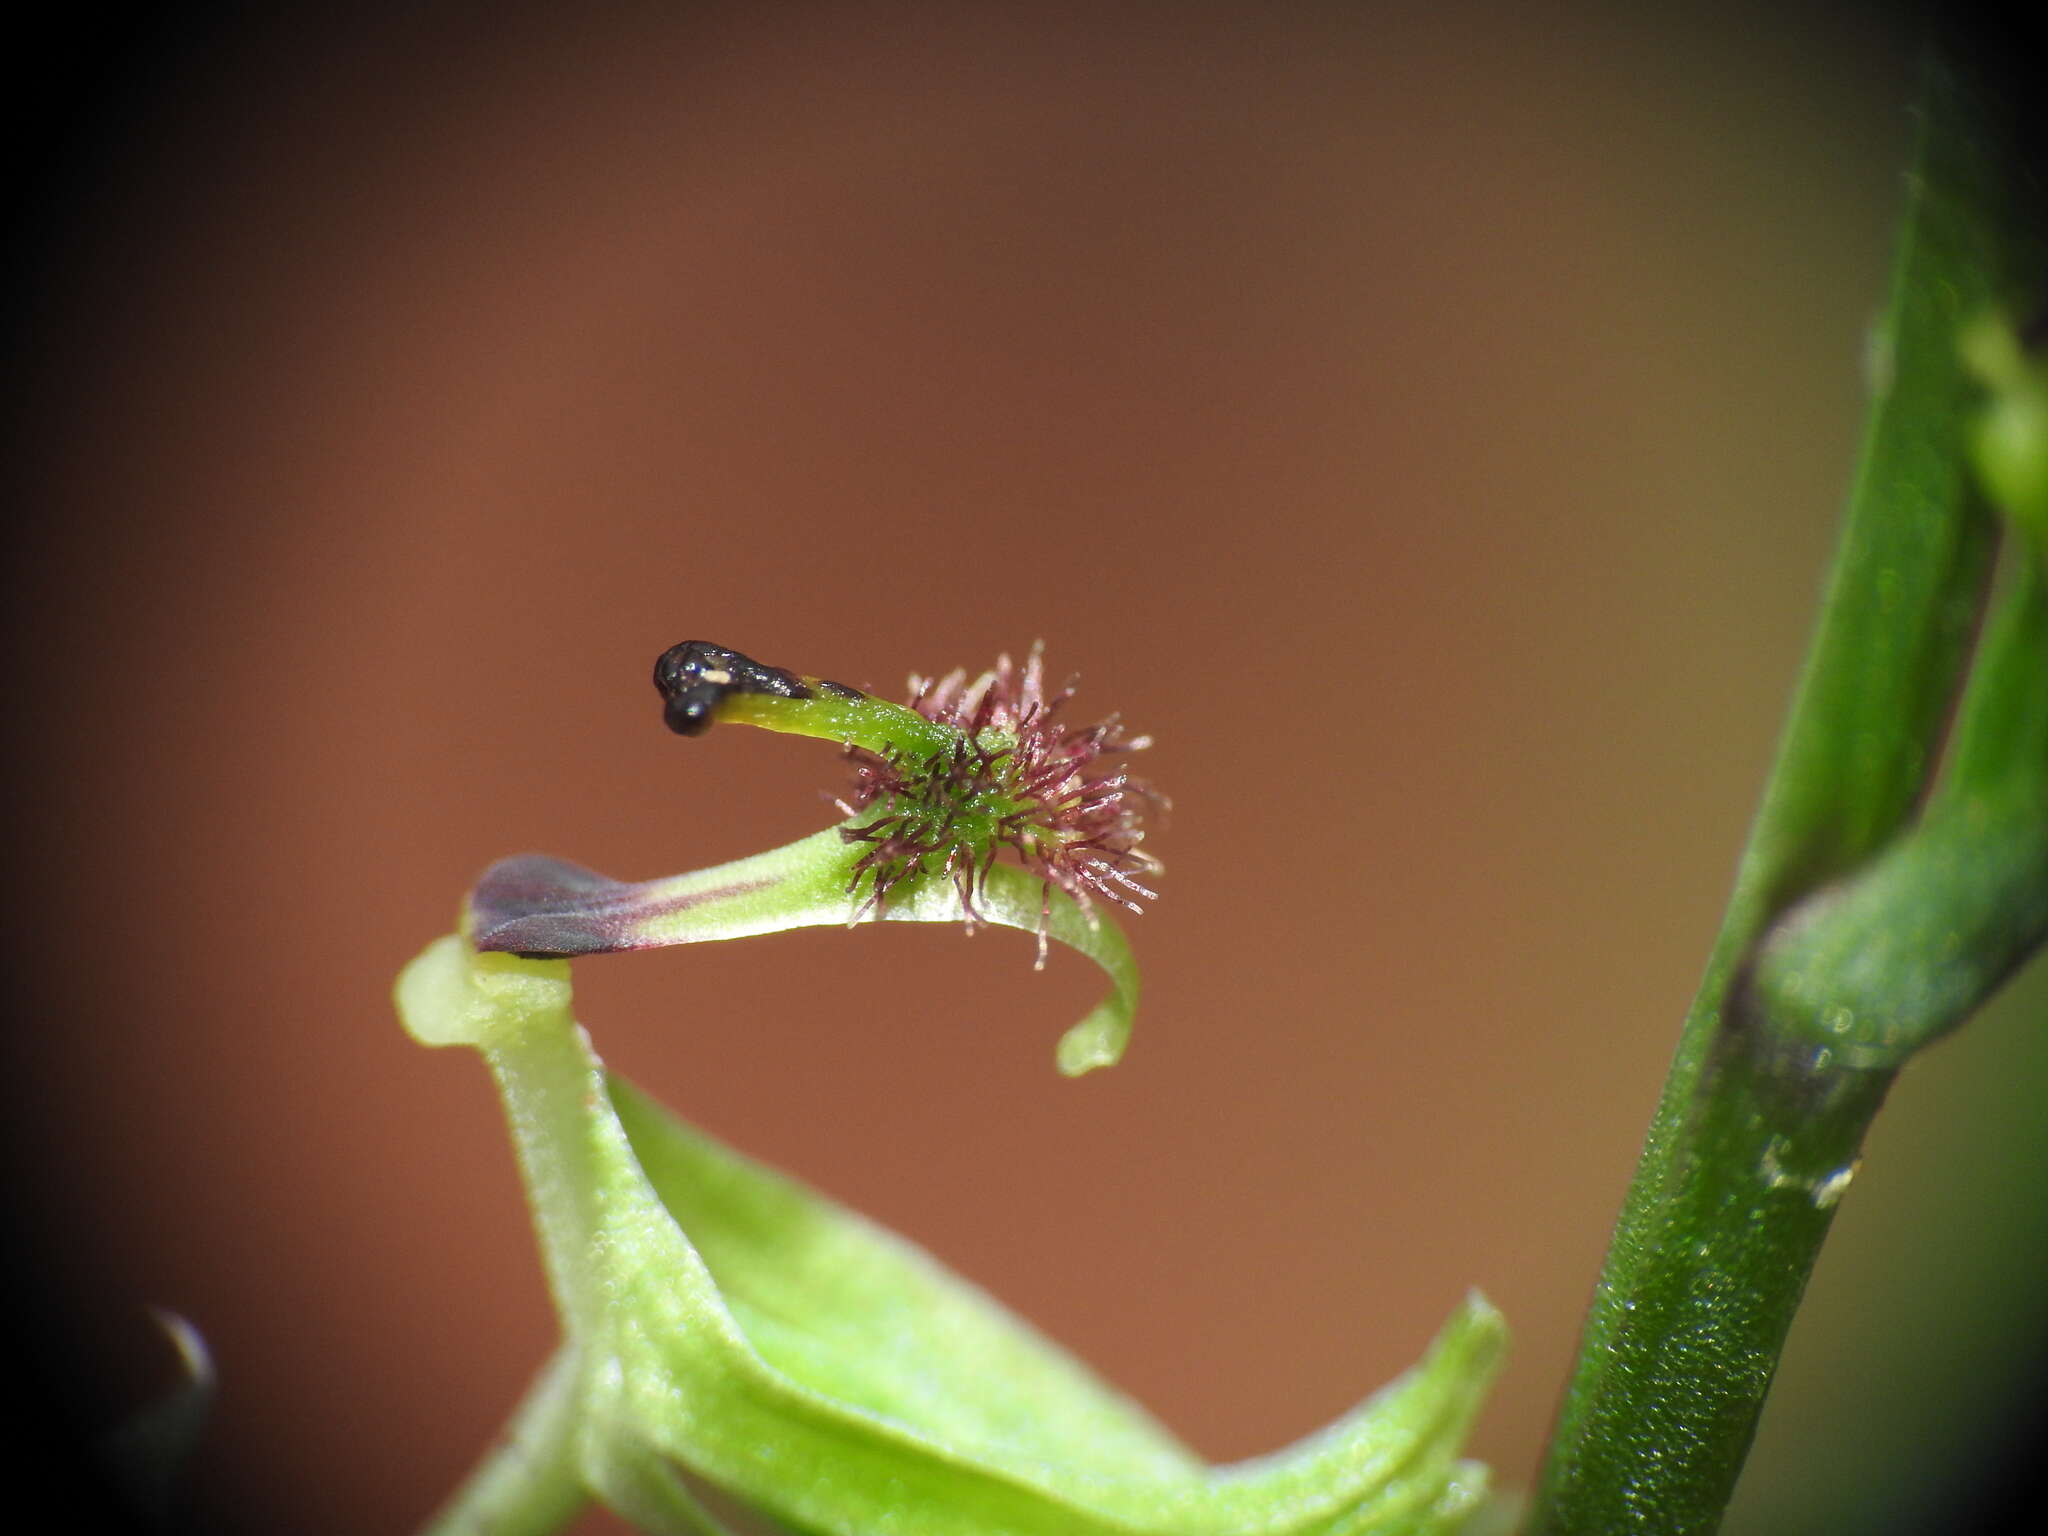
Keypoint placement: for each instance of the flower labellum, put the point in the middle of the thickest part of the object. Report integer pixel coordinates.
(976, 803)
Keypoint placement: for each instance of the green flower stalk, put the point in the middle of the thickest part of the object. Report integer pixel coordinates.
(734, 1340)
(1897, 871)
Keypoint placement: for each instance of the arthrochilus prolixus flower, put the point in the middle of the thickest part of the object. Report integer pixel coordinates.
(725, 1328)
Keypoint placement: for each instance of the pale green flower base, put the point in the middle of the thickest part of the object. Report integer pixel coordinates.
(723, 1322)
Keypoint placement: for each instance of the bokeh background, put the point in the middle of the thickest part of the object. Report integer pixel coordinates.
(1428, 421)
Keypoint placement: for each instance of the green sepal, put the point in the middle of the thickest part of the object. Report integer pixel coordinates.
(723, 1323)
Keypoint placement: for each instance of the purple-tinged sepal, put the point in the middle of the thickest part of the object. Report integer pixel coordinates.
(538, 906)
(544, 908)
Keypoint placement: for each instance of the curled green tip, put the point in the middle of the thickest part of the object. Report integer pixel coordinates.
(1097, 1041)
(1011, 898)
(451, 995)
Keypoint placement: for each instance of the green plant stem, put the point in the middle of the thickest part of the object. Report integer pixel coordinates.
(1760, 1124)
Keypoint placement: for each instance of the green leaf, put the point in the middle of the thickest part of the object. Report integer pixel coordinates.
(725, 1323)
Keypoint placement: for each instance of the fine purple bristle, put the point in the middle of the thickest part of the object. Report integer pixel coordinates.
(1074, 818)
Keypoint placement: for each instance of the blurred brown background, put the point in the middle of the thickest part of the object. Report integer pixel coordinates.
(1427, 421)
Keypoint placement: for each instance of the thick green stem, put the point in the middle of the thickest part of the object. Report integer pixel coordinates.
(1758, 1131)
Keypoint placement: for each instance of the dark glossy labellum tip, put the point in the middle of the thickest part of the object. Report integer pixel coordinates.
(689, 713)
(696, 675)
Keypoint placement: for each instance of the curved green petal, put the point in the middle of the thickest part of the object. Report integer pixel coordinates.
(733, 1325)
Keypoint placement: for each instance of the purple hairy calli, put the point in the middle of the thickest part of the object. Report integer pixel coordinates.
(1013, 775)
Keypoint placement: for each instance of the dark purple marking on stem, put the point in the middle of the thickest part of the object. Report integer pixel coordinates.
(550, 909)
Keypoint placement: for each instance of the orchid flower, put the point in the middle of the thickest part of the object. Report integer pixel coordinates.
(735, 1346)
